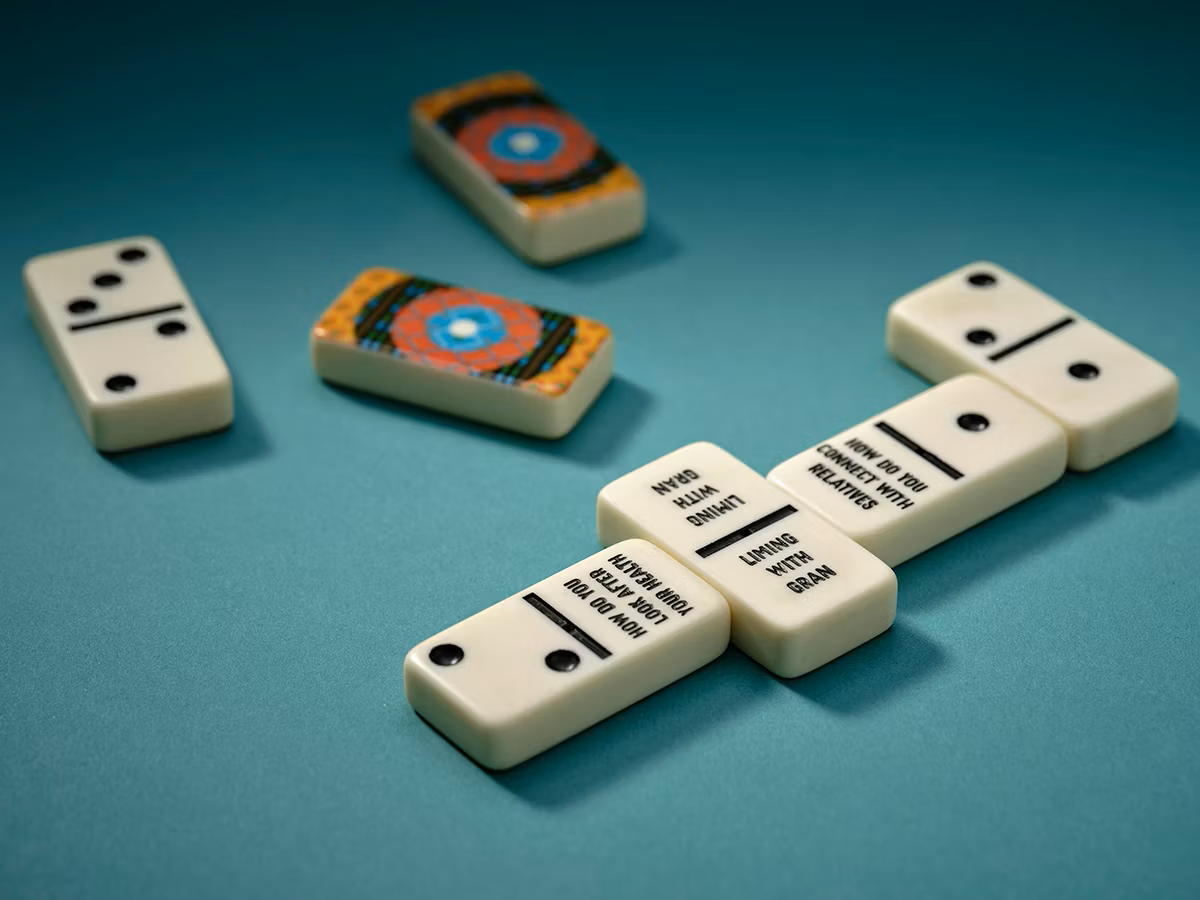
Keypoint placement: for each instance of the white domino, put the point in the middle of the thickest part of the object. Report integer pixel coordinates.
(929, 468)
(801, 592)
(1109, 396)
(562, 655)
(129, 345)
(529, 170)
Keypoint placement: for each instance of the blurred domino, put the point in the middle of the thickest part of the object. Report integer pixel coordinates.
(464, 352)
(1108, 396)
(929, 468)
(536, 176)
(801, 592)
(128, 343)
(562, 655)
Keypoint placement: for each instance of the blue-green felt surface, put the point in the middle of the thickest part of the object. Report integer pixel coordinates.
(201, 644)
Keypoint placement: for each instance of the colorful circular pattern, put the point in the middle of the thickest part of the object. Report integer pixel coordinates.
(463, 330)
(527, 143)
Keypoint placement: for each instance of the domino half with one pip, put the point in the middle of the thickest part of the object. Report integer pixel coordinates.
(1107, 395)
(129, 345)
(529, 169)
(929, 468)
(556, 658)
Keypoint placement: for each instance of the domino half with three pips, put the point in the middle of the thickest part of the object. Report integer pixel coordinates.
(129, 344)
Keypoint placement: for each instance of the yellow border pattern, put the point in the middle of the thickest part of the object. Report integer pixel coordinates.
(589, 335)
(337, 322)
(337, 325)
(431, 107)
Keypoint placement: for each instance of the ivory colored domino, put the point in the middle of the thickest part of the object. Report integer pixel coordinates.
(801, 592)
(1107, 395)
(560, 656)
(928, 468)
(128, 342)
(527, 168)
(465, 352)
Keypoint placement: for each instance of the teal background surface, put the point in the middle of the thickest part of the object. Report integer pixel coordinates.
(201, 644)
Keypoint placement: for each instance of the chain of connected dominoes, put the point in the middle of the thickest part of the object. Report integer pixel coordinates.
(793, 567)
(801, 557)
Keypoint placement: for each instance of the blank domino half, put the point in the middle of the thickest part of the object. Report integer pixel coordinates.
(465, 352)
(801, 592)
(555, 658)
(1109, 396)
(129, 344)
(532, 172)
(929, 468)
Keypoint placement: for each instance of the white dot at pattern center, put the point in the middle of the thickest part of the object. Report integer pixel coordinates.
(523, 142)
(463, 329)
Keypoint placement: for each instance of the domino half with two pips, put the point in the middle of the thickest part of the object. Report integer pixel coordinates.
(557, 657)
(1107, 395)
(130, 347)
